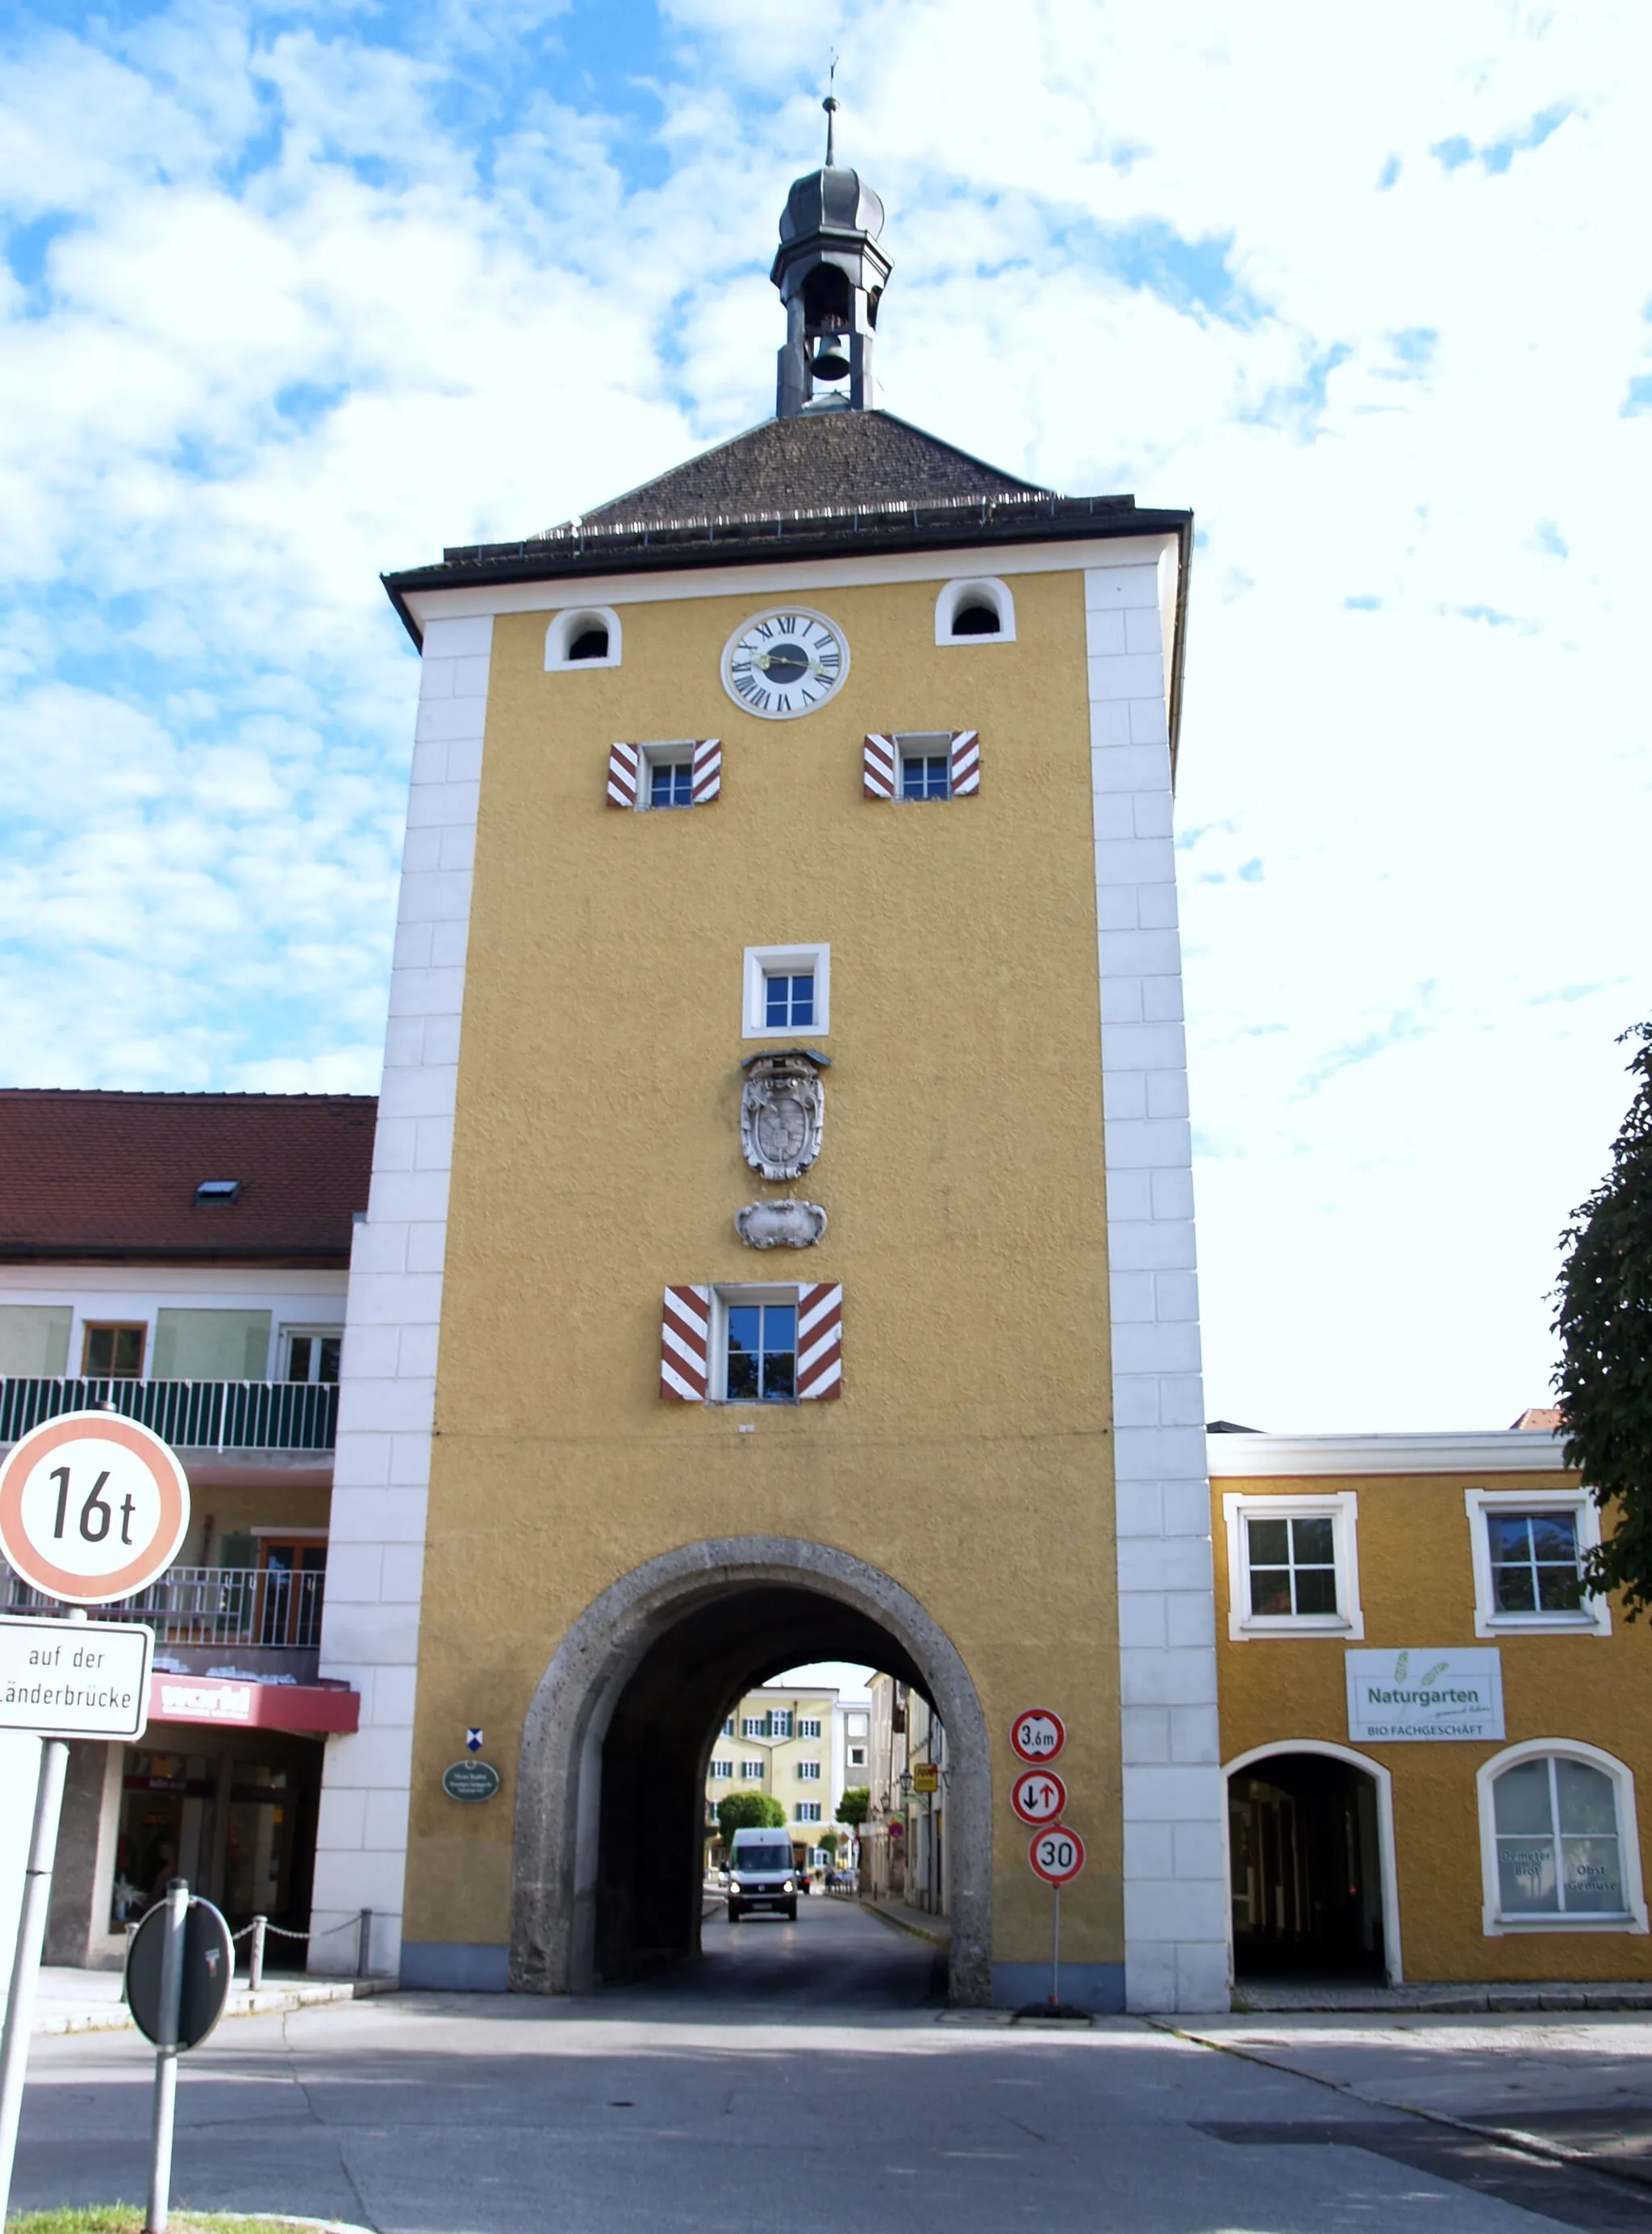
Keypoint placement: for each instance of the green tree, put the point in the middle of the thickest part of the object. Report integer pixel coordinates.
(855, 1805)
(828, 1843)
(749, 1811)
(1604, 1322)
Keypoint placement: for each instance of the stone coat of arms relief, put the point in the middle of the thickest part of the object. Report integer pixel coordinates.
(782, 1112)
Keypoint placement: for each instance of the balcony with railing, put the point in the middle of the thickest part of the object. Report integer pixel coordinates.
(193, 1416)
(257, 1621)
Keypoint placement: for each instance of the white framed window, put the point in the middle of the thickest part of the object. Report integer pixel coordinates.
(787, 991)
(857, 1756)
(752, 1771)
(712, 1815)
(808, 1811)
(808, 1727)
(310, 1354)
(978, 610)
(754, 1726)
(1293, 1565)
(722, 1771)
(754, 1358)
(1559, 1848)
(1528, 1546)
(779, 1721)
(728, 1726)
(857, 1725)
(582, 636)
(808, 1771)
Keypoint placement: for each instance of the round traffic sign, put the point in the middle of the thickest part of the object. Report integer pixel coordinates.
(1038, 1795)
(1057, 1855)
(92, 1507)
(1038, 1734)
(209, 1967)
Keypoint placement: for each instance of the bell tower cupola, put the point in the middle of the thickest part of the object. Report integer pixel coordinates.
(830, 273)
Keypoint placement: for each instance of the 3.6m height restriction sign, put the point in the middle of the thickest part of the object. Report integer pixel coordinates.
(1057, 1855)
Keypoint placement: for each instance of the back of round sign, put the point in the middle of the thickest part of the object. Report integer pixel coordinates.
(209, 1967)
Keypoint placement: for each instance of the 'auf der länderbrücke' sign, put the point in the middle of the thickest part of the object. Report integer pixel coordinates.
(1397, 1698)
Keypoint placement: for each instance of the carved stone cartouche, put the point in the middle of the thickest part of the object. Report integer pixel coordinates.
(782, 1111)
(781, 1224)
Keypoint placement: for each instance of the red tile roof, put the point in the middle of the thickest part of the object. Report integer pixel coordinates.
(113, 1175)
(1548, 1419)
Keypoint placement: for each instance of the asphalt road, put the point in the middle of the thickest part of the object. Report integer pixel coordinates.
(801, 2076)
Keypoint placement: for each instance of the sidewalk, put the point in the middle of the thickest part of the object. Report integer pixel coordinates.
(918, 1921)
(89, 2001)
(1258, 1996)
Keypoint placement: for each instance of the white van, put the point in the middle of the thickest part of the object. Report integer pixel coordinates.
(762, 1874)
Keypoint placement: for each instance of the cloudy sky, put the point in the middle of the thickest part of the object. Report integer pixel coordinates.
(293, 295)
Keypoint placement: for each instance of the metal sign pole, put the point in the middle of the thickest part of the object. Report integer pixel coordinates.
(172, 1994)
(31, 1938)
(1056, 1956)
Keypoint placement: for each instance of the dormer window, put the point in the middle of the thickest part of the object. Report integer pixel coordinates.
(216, 1194)
(974, 611)
(584, 636)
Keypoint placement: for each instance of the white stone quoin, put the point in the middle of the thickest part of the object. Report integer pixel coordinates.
(381, 1470)
(1176, 1931)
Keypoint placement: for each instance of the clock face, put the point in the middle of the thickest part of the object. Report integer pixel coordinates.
(785, 662)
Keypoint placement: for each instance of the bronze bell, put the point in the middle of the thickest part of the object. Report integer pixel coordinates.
(830, 362)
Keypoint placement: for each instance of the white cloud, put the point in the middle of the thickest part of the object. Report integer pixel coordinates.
(307, 307)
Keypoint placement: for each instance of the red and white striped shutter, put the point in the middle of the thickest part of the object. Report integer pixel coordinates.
(622, 775)
(966, 763)
(820, 1341)
(707, 779)
(878, 768)
(685, 1346)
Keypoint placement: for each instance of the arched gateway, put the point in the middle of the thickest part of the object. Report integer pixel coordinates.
(619, 1729)
(783, 1145)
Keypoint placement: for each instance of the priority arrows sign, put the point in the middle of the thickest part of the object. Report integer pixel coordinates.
(1039, 1796)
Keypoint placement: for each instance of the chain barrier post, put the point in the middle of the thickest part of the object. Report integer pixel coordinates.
(172, 1994)
(364, 1944)
(254, 1953)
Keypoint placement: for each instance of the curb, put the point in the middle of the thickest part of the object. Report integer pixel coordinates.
(269, 2000)
(941, 1940)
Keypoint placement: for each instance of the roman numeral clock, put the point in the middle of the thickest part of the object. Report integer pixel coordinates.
(785, 662)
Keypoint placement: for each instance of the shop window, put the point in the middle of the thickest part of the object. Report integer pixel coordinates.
(1560, 1849)
(1293, 1567)
(1528, 1547)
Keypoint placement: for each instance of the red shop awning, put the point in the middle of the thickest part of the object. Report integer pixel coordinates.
(229, 1703)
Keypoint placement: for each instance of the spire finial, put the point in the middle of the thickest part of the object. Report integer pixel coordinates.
(830, 104)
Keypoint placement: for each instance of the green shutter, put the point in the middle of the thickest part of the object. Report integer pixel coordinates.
(34, 1339)
(212, 1346)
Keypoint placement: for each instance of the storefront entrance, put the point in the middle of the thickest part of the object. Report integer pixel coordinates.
(233, 1813)
(1306, 1869)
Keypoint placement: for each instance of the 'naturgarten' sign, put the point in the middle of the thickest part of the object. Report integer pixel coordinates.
(1396, 1698)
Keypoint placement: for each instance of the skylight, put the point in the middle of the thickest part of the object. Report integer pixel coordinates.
(216, 1190)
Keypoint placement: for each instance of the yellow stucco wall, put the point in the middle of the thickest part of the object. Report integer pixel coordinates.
(1417, 1589)
(598, 1157)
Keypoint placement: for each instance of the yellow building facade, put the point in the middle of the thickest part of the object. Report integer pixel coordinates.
(779, 1740)
(1433, 1743)
(780, 1246)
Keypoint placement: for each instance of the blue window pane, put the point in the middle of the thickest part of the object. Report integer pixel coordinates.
(778, 993)
(803, 1000)
(780, 1376)
(744, 1384)
(780, 1326)
(671, 784)
(744, 1324)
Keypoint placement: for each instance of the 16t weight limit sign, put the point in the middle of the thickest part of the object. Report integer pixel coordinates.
(92, 1507)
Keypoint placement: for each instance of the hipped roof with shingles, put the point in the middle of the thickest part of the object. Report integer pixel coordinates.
(96, 1176)
(825, 484)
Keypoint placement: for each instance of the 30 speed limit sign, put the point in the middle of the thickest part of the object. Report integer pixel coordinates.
(92, 1507)
(1038, 1795)
(1037, 1735)
(1057, 1856)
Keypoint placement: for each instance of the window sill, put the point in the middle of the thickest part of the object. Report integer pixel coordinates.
(1297, 1625)
(1540, 1624)
(1500, 1927)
